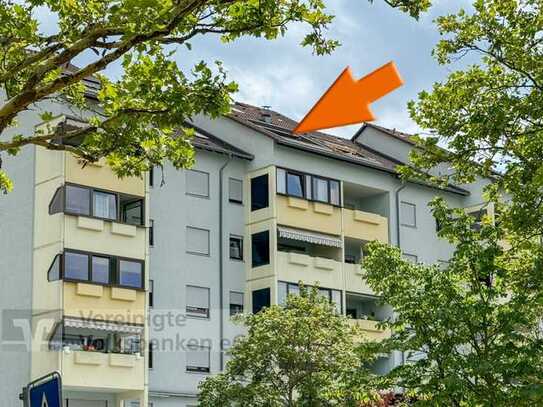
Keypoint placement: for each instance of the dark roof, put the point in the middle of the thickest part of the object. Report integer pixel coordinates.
(207, 141)
(279, 127)
(408, 138)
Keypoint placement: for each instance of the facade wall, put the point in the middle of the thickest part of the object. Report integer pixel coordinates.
(172, 269)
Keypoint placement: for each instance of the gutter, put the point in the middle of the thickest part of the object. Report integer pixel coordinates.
(221, 262)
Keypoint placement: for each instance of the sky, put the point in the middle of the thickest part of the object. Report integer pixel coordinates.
(290, 79)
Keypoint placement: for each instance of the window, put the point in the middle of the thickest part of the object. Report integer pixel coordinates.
(236, 247)
(295, 185)
(284, 289)
(131, 210)
(151, 292)
(259, 192)
(335, 193)
(236, 303)
(131, 273)
(408, 214)
(320, 189)
(308, 186)
(197, 302)
(150, 355)
(413, 258)
(152, 176)
(478, 216)
(235, 190)
(77, 200)
(104, 205)
(100, 269)
(54, 272)
(260, 245)
(80, 200)
(76, 266)
(151, 232)
(261, 299)
(197, 241)
(197, 183)
(198, 359)
(55, 206)
(281, 181)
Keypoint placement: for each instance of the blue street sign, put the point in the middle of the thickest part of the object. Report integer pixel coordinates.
(45, 392)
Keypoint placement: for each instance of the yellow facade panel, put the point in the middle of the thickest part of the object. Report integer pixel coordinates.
(105, 307)
(365, 226)
(302, 214)
(101, 176)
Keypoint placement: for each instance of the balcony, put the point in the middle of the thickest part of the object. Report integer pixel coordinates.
(365, 226)
(98, 356)
(102, 371)
(366, 312)
(309, 215)
(370, 330)
(296, 266)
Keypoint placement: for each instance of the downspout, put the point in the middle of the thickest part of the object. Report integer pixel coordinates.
(397, 193)
(398, 231)
(221, 262)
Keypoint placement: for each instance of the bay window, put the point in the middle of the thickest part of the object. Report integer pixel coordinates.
(130, 273)
(101, 269)
(77, 200)
(307, 186)
(104, 205)
(86, 201)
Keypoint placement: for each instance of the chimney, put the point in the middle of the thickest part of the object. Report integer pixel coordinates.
(266, 114)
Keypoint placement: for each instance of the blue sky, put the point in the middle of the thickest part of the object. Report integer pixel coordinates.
(290, 79)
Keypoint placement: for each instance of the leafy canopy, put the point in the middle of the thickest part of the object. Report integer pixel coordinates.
(490, 114)
(470, 330)
(299, 354)
(138, 121)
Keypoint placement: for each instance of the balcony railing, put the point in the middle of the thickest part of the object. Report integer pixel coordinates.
(103, 371)
(295, 267)
(365, 226)
(370, 329)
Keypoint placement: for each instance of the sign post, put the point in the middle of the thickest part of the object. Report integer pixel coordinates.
(43, 392)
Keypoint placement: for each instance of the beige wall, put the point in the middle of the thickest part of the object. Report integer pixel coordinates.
(122, 374)
(303, 214)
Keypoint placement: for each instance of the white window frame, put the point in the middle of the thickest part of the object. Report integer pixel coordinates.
(196, 194)
(402, 221)
(196, 348)
(208, 241)
(413, 258)
(230, 302)
(230, 199)
(240, 238)
(188, 313)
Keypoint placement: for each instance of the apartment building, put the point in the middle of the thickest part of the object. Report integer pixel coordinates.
(133, 282)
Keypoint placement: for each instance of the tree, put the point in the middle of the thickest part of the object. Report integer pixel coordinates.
(299, 354)
(471, 331)
(489, 116)
(138, 121)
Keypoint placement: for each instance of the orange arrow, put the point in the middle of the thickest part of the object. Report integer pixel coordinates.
(347, 101)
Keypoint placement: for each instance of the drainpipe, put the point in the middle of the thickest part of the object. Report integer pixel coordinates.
(398, 231)
(397, 193)
(221, 262)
